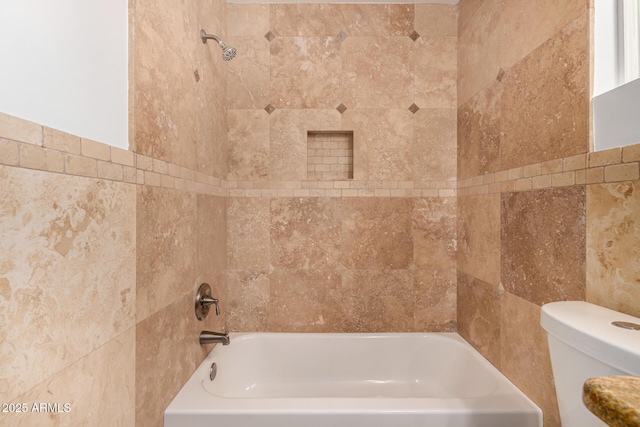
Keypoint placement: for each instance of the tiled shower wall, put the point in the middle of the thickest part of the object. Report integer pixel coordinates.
(178, 113)
(103, 248)
(82, 322)
(540, 219)
(372, 253)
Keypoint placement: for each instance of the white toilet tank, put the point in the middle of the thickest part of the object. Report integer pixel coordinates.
(584, 344)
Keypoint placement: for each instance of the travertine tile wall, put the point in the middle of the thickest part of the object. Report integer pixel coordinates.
(95, 306)
(310, 252)
(103, 248)
(98, 275)
(540, 219)
(179, 122)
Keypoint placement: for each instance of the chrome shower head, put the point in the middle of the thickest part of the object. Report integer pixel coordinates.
(228, 52)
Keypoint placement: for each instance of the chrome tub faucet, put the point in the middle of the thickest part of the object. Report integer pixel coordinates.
(203, 301)
(208, 337)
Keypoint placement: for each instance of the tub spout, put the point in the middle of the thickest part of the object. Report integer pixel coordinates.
(208, 337)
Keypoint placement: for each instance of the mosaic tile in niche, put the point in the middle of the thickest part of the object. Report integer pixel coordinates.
(330, 156)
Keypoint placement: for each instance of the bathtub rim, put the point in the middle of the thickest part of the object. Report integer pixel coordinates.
(194, 399)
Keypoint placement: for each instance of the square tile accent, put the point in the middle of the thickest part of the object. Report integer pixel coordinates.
(414, 108)
(269, 108)
(341, 36)
(330, 155)
(414, 35)
(341, 108)
(501, 74)
(269, 36)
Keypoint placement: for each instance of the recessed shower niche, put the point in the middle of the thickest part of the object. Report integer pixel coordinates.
(329, 155)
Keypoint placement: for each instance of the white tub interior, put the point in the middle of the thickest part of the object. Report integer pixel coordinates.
(349, 365)
(403, 379)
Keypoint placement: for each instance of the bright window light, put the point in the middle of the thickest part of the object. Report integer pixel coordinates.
(616, 85)
(628, 41)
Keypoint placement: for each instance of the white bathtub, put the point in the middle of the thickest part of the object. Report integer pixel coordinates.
(340, 380)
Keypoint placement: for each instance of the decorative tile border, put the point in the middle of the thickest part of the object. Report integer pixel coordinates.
(350, 188)
(614, 165)
(32, 146)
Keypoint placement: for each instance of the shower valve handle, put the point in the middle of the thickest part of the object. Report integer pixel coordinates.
(206, 301)
(203, 301)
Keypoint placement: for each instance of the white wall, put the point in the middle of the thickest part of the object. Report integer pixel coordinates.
(605, 47)
(616, 117)
(63, 64)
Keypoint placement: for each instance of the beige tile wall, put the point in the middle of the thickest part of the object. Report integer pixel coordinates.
(384, 72)
(337, 264)
(103, 248)
(540, 219)
(67, 277)
(180, 135)
(316, 248)
(245, 216)
(97, 268)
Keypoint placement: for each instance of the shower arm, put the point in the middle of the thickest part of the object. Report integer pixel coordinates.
(204, 36)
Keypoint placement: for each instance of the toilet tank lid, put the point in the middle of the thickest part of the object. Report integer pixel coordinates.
(587, 327)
